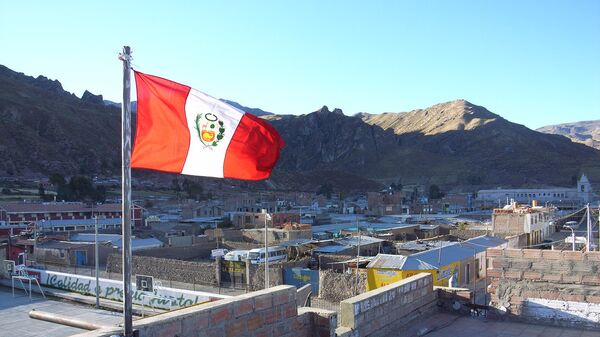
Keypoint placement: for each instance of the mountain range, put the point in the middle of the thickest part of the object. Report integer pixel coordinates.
(456, 144)
(586, 132)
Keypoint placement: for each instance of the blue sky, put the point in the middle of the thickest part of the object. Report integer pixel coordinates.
(533, 62)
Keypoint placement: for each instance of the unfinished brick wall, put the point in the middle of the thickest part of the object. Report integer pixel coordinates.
(337, 287)
(551, 287)
(270, 312)
(383, 311)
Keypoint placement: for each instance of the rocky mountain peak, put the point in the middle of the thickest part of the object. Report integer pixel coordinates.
(44, 82)
(88, 97)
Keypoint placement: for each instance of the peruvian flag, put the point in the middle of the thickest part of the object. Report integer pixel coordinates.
(183, 130)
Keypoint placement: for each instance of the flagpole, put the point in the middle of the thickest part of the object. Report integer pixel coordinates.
(125, 56)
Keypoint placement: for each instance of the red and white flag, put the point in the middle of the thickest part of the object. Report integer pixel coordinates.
(183, 130)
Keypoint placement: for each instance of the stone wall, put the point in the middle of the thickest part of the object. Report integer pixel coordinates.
(201, 251)
(546, 286)
(336, 287)
(167, 269)
(465, 234)
(270, 312)
(386, 310)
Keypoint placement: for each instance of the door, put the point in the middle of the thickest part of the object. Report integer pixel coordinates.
(80, 257)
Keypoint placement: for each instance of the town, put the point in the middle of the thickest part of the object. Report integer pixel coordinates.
(465, 247)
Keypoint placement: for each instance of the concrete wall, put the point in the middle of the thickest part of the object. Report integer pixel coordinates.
(337, 287)
(167, 269)
(385, 311)
(545, 286)
(270, 312)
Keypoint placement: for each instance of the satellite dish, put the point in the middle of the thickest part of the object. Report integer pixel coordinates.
(456, 305)
(502, 310)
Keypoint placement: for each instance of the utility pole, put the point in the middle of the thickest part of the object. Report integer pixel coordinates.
(96, 261)
(589, 229)
(266, 252)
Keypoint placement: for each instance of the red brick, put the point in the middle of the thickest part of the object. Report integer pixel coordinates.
(219, 315)
(242, 308)
(280, 299)
(552, 255)
(513, 252)
(494, 272)
(513, 274)
(550, 295)
(591, 279)
(571, 278)
(290, 310)
(269, 316)
(235, 328)
(494, 252)
(573, 297)
(592, 299)
(254, 322)
(551, 277)
(516, 300)
(531, 294)
(532, 275)
(592, 256)
(263, 302)
(532, 253)
(498, 263)
(573, 256)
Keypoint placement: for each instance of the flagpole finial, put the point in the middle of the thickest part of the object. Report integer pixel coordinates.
(125, 56)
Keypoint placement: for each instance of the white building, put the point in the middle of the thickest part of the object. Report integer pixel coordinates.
(579, 195)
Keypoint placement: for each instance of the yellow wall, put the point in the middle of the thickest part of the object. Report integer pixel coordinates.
(379, 277)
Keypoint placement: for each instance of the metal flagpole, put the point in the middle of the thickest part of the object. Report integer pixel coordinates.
(96, 261)
(125, 56)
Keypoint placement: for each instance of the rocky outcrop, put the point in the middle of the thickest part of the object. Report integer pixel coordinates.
(88, 97)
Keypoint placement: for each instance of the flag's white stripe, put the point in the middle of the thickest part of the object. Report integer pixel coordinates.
(203, 160)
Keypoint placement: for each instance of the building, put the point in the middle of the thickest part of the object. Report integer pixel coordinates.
(287, 233)
(515, 219)
(562, 197)
(387, 202)
(71, 253)
(463, 262)
(24, 213)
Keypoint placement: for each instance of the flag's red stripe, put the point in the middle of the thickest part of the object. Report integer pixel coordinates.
(162, 137)
(253, 150)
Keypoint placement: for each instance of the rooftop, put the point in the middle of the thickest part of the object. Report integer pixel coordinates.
(15, 320)
(53, 207)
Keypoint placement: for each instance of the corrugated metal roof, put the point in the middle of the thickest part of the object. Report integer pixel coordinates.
(331, 249)
(90, 237)
(296, 242)
(62, 245)
(354, 240)
(437, 257)
(73, 222)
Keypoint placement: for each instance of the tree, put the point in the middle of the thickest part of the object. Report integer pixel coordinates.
(326, 190)
(57, 179)
(192, 189)
(435, 192)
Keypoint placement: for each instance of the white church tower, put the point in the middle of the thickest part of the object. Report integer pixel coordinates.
(584, 189)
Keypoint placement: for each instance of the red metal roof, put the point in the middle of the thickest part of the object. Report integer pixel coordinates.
(59, 207)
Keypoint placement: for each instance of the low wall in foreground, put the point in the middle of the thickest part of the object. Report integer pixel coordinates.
(546, 286)
(270, 312)
(383, 311)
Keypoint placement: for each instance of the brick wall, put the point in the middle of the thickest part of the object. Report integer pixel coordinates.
(270, 312)
(337, 287)
(167, 269)
(546, 286)
(465, 234)
(383, 311)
